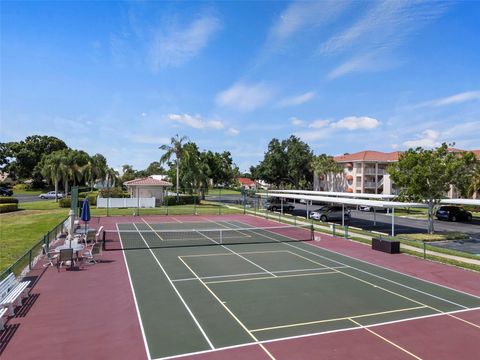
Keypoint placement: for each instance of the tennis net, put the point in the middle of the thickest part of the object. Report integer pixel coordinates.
(146, 239)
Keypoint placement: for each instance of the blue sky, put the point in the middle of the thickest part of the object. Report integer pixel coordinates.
(121, 78)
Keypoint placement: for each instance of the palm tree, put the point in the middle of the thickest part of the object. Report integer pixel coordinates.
(474, 187)
(95, 169)
(52, 169)
(176, 148)
(323, 165)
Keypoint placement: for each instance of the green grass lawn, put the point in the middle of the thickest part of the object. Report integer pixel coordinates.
(223, 192)
(22, 229)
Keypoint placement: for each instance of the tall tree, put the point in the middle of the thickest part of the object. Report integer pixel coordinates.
(51, 168)
(95, 169)
(474, 186)
(176, 148)
(22, 157)
(299, 158)
(426, 175)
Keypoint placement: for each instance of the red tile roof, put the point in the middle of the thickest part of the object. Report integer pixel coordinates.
(369, 155)
(148, 181)
(246, 181)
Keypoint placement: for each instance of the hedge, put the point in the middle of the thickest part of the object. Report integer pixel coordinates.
(8, 200)
(65, 202)
(113, 193)
(5, 208)
(92, 197)
(183, 200)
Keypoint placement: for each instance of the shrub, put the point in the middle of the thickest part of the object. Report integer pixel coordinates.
(66, 202)
(183, 200)
(92, 197)
(21, 187)
(8, 200)
(5, 208)
(114, 193)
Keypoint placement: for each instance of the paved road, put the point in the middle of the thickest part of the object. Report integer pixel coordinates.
(28, 198)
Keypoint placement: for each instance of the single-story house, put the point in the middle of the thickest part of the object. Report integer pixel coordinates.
(247, 184)
(147, 188)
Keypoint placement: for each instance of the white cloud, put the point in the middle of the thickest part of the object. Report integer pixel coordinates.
(453, 99)
(301, 14)
(357, 122)
(143, 114)
(196, 121)
(317, 124)
(297, 100)
(245, 97)
(174, 45)
(296, 121)
(232, 132)
(385, 25)
(428, 139)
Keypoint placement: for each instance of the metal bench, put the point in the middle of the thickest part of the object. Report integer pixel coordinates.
(2, 321)
(12, 292)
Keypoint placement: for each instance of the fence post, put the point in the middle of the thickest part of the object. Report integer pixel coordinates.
(424, 250)
(103, 241)
(346, 232)
(194, 205)
(30, 259)
(333, 229)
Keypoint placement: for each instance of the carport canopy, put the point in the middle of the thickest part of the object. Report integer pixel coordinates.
(336, 194)
(346, 201)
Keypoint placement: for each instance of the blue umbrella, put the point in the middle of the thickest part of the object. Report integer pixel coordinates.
(85, 216)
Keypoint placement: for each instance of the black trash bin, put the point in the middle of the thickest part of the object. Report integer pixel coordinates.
(388, 246)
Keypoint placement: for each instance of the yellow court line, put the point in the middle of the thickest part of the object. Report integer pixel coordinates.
(268, 277)
(388, 341)
(374, 285)
(228, 310)
(337, 319)
(153, 229)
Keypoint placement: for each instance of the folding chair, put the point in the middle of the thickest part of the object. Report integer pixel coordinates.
(65, 255)
(90, 253)
(49, 256)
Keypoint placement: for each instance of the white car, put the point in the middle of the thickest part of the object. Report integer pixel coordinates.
(50, 195)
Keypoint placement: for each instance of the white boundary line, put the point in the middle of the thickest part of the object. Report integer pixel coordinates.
(380, 266)
(255, 273)
(369, 273)
(244, 258)
(317, 333)
(178, 293)
(156, 233)
(147, 349)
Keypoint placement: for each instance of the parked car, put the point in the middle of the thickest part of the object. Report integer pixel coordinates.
(275, 204)
(371, 208)
(5, 191)
(330, 213)
(50, 195)
(453, 213)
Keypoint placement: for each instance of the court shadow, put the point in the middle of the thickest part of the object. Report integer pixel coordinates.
(6, 336)
(23, 310)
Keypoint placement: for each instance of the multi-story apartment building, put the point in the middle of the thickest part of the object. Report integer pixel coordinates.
(366, 172)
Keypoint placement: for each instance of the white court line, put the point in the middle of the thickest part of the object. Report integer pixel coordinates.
(244, 258)
(316, 334)
(379, 266)
(367, 272)
(178, 293)
(174, 218)
(134, 298)
(255, 273)
(156, 233)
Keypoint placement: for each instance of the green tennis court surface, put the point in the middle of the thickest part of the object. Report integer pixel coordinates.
(200, 298)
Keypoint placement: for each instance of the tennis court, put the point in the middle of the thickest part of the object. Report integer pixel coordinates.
(227, 289)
